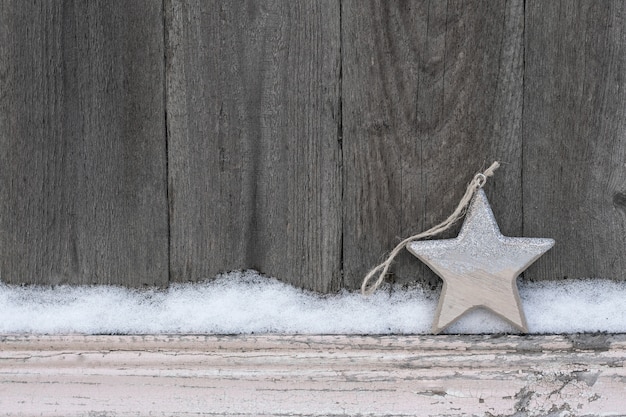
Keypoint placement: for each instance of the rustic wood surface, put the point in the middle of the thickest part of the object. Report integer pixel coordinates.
(303, 139)
(431, 93)
(254, 154)
(575, 136)
(577, 375)
(82, 134)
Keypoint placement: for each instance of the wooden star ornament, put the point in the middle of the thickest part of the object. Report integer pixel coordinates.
(479, 267)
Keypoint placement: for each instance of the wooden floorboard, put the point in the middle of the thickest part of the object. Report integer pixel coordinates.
(312, 375)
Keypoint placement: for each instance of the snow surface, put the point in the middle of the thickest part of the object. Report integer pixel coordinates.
(246, 302)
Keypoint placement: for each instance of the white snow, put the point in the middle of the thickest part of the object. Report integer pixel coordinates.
(246, 302)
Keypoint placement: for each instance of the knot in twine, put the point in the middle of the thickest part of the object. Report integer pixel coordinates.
(477, 182)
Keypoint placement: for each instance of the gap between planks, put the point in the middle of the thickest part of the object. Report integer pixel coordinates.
(266, 375)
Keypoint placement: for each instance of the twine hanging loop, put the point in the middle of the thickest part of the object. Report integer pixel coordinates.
(477, 182)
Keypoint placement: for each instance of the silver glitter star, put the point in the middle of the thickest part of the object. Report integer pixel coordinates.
(479, 267)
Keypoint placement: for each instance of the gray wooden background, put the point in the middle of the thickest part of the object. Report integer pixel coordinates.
(147, 142)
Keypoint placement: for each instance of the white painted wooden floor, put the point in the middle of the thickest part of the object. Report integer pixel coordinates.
(312, 375)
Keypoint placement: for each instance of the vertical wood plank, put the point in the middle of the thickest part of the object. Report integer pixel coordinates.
(575, 137)
(432, 93)
(253, 121)
(82, 143)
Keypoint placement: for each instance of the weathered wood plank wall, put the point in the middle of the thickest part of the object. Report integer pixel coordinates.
(431, 92)
(253, 112)
(575, 136)
(82, 143)
(303, 139)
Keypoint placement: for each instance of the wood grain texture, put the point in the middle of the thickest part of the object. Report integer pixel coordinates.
(82, 143)
(431, 94)
(253, 126)
(304, 139)
(575, 136)
(578, 375)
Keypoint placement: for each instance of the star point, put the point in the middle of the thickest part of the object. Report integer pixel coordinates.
(479, 267)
